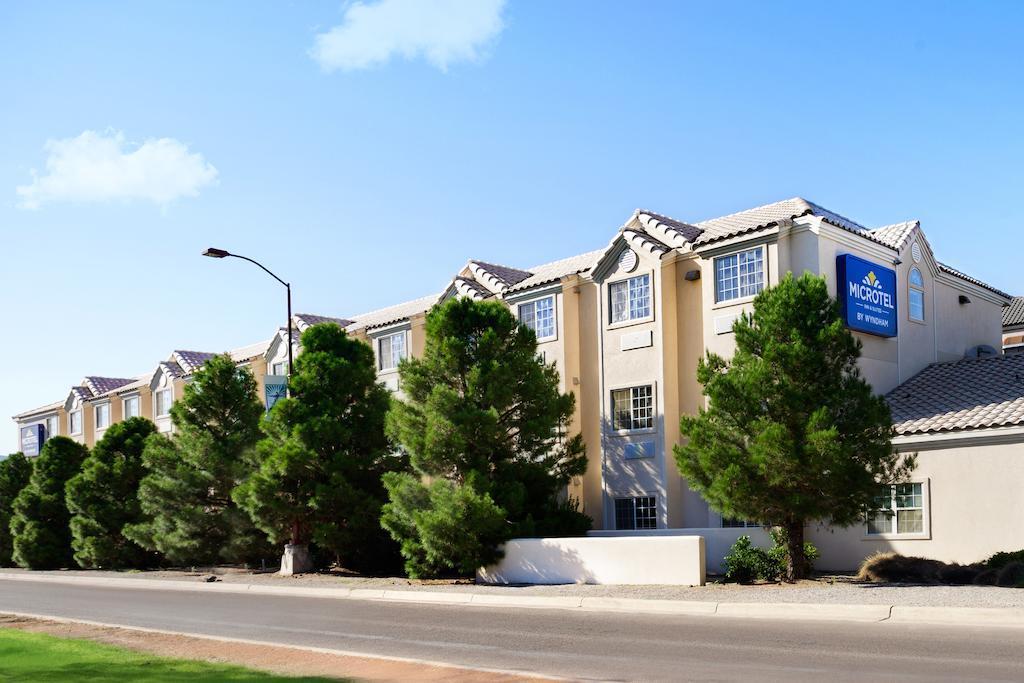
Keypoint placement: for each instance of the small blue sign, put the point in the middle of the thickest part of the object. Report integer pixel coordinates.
(867, 295)
(275, 387)
(32, 438)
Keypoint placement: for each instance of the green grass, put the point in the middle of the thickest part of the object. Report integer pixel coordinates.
(41, 658)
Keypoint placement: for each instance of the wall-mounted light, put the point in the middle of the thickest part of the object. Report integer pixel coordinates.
(692, 275)
(964, 299)
(897, 261)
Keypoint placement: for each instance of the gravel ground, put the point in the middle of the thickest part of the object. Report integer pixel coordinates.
(825, 589)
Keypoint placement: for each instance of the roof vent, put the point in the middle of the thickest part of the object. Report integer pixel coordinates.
(981, 351)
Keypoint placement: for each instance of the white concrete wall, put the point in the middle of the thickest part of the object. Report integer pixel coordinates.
(674, 560)
(717, 541)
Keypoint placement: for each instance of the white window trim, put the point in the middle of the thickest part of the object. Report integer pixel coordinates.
(911, 287)
(156, 402)
(124, 405)
(554, 314)
(46, 425)
(96, 414)
(633, 497)
(71, 424)
(629, 321)
(740, 299)
(926, 516)
(376, 349)
(271, 364)
(654, 411)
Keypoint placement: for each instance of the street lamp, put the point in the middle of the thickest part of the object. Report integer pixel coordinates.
(213, 252)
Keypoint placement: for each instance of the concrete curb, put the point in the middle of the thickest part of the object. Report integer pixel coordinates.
(950, 616)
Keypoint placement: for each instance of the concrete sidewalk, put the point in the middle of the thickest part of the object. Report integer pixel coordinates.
(889, 613)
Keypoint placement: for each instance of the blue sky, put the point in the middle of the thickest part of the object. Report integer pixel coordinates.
(365, 151)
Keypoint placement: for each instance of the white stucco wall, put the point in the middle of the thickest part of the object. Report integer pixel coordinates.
(663, 560)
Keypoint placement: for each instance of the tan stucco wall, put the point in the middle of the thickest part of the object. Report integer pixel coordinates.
(975, 509)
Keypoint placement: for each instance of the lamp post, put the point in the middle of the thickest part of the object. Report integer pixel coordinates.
(213, 252)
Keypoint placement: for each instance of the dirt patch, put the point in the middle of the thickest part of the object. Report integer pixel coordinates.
(284, 660)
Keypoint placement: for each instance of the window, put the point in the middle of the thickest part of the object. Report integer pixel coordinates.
(131, 407)
(730, 523)
(279, 369)
(900, 510)
(630, 299)
(163, 402)
(636, 513)
(51, 426)
(391, 350)
(102, 416)
(916, 295)
(539, 316)
(739, 275)
(633, 408)
(75, 422)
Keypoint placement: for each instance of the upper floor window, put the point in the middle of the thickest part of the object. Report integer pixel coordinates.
(162, 402)
(75, 422)
(102, 416)
(636, 513)
(539, 316)
(131, 407)
(390, 350)
(279, 369)
(739, 275)
(51, 426)
(900, 510)
(633, 408)
(916, 295)
(631, 299)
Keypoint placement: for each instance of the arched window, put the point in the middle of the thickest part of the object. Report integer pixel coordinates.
(916, 295)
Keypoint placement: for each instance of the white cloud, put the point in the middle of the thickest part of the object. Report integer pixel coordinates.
(97, 167)
(441, 31)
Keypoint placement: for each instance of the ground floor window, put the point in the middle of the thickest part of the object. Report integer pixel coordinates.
(636, 513)
(900, 510)
(730, 523)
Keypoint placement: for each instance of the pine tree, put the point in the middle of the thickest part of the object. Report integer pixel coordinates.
(40, 523)
(103, 498)
(15, 471)
(319, 468)
(185, 495)
(792, 433)
(484, 422)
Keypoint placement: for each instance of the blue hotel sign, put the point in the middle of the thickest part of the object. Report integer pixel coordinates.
(32, 439)
(867, 295)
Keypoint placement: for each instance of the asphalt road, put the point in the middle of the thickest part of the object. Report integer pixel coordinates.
(572, 644)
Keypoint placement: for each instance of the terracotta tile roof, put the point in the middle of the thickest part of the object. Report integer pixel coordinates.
(503, 274)
(102, 385)
(1013, 315)
(651, 220)
(768, 215)
(304, 320)
(550, 272)
(392, 314)
(471, 288)
(894, 235)
(966, 394)
(190, 361)
(964, 276)
(172, 369)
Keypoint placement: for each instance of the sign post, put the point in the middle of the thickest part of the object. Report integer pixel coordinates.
(867, 295)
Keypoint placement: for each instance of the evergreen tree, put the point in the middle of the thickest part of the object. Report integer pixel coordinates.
(319, 468)
(15, 471)
(185, 495)
(483, 421)
(792, 433)
(40, 523)
(103, 498)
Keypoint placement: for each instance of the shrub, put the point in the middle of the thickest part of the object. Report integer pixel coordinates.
(1000, 560)
(40, 524)
(15, 471)
(896, 568)
(747, 563)
(1011, 574)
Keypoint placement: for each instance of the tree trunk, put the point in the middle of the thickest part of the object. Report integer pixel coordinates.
(296, 533)
(796, 561)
